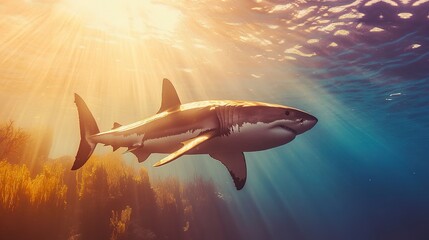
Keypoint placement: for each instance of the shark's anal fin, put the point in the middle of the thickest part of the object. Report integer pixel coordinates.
(187, 145)
(170, 99)
(236, 165)
(140, 153)
(116, 125)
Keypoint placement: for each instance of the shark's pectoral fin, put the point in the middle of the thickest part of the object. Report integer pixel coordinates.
(187, 145)
(140, 153)
(236, 165)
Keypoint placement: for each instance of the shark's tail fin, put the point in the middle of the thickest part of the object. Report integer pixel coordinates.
(88, 127)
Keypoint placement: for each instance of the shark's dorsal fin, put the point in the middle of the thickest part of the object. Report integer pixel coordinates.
(170, 99)
(236, 165)
(187, 145)
(116, 125)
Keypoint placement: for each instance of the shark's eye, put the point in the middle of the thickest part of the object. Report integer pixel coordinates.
(287, 113)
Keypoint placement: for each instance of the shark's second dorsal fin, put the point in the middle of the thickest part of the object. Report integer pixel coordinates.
(169, 96)
(116, 125)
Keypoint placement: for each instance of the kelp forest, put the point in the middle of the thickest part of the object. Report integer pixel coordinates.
(41, 198)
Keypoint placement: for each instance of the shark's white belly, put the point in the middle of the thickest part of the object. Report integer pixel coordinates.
(169, 144)
(245, 138)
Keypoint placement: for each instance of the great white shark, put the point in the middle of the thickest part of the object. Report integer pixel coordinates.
(224, 129)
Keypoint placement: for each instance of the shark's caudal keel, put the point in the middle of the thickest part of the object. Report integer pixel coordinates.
(223, 129)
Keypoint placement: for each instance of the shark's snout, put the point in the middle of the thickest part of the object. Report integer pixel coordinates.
(310, 122)
(304, 122)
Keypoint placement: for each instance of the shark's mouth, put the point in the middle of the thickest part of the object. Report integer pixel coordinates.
(288, 129)
(284, 127)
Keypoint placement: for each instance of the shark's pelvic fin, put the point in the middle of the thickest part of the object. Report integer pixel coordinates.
(140, 153)
(187, 145)
(116, 125)
(236, 165)
(170, 99)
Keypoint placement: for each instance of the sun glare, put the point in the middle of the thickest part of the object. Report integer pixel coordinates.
(138, 16)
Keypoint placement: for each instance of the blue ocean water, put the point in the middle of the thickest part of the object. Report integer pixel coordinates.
(362, 172)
